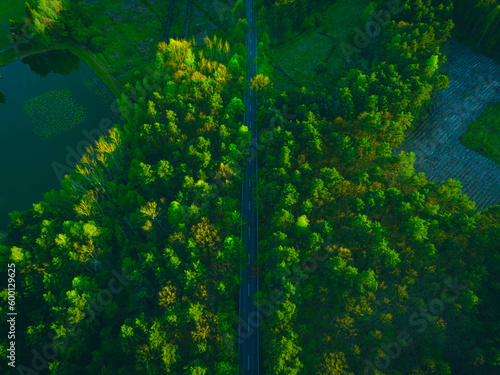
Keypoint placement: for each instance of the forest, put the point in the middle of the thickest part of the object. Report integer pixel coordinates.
(365, 266)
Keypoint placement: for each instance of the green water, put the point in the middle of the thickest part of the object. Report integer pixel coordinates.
(54, 107)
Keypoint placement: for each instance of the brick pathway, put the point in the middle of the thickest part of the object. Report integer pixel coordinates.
(474, 82)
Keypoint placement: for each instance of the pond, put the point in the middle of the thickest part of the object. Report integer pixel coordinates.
(51, 106)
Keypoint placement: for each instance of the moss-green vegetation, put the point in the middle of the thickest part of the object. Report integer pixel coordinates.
(483, 134)
(53, 113)
(131, 31)
(302, 57)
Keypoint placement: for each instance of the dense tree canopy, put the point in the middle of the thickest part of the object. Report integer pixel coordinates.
(402, 277)
(133, 266)
(157, 200)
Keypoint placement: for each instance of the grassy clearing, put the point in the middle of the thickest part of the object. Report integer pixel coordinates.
(300, 56)
(132, 29)
(483, 134)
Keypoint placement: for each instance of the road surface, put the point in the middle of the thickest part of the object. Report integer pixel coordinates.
(248, 330)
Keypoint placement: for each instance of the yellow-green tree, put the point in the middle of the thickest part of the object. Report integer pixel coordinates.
(45, 18)
(260, 82)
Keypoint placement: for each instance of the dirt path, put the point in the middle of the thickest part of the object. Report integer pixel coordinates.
(474, 82)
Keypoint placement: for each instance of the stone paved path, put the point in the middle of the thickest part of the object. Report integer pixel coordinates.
(474, 82)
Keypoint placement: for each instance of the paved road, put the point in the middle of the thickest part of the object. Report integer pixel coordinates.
(248, 347)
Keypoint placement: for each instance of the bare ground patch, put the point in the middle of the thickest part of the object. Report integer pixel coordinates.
(474, 82)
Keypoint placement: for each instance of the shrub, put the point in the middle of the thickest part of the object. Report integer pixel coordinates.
(98, 44)
(82, 34)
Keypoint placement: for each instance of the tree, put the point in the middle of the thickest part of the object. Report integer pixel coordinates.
(235, 109)
(195, 370)
(150, 210)
(164, 170)
(169, 355)
(177, 215)
(260, 82)
(46, 18)
(167, 296)
(417, 229)
(283, 219)
(206, 237)
(224, 368)
(286, 354)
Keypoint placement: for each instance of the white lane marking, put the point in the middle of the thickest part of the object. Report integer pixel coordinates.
(248, 289)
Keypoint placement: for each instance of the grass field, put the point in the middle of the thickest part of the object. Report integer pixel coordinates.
(132, 29)
(483, 134)
(300, 56)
